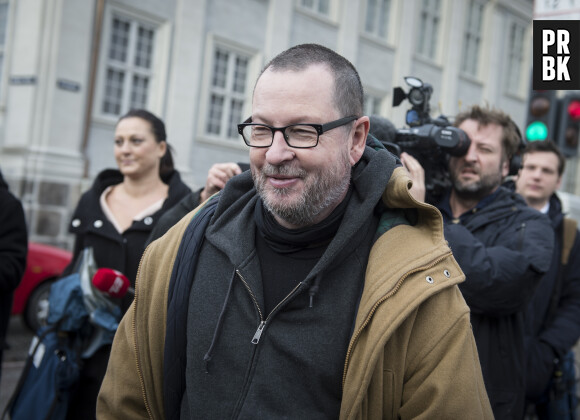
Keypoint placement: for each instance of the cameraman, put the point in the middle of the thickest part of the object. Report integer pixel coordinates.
(502, 245)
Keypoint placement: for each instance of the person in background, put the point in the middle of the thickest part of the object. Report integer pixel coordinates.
(116, 216)
(503, 246)
(217, 176)
(554, 313)
(13, 251)
(311, 287)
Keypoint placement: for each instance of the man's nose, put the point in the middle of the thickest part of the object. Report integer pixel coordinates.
(279, 151)
(471, 154)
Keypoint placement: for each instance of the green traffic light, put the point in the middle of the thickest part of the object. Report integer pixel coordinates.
(537, 131)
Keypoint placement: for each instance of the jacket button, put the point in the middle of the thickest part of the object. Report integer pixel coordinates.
(76, 223)
(98, 223)
(429, 279)
(148, 220)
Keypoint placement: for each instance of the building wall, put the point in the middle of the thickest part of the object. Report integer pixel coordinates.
(50, 151)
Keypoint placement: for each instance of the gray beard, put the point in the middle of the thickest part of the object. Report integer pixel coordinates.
(475, 191)
(318, 196)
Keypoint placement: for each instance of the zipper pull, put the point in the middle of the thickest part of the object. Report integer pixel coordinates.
(258, 332)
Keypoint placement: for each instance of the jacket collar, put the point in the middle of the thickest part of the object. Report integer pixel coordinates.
(555, 212)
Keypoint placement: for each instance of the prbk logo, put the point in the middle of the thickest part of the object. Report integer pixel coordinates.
(556, 55)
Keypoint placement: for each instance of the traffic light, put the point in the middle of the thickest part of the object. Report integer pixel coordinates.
(542, 115)
(569, 127)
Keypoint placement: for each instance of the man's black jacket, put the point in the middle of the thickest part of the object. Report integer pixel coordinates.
(551, 336)
(504, 247)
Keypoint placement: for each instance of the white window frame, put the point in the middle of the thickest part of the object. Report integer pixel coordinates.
(253, 67)
(474, 21)
(372, 102)
(379, 29)
(315, 6)
(157, 73)
(330, 16)
(516, 57)
(429, 29)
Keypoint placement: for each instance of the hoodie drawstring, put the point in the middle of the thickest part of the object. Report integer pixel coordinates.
(313, 290)
(218, 328)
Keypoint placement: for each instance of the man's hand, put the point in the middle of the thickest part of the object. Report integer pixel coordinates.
(218, 175)
(417, 175)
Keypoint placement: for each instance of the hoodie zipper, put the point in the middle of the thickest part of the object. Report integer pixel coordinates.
(263, 322)
(394, 290)
(257, 334)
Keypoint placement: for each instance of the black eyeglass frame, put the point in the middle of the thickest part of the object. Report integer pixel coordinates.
(320, 129)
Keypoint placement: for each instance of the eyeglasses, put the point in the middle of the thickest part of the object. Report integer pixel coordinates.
(299, 136)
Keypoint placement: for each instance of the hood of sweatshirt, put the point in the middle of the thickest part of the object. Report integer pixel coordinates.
(369, 179)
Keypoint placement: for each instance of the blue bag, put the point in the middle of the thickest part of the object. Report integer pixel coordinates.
(51, 369)
(80, 321)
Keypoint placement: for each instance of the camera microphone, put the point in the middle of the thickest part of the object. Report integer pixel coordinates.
(111, 282)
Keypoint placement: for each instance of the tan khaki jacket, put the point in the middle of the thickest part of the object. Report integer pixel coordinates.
(412, 353)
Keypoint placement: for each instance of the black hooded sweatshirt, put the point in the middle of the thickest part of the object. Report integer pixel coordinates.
(246, 362)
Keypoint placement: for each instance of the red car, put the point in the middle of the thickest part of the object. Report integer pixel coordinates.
(43, 265)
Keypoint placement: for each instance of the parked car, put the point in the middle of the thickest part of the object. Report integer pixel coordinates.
(44, 265)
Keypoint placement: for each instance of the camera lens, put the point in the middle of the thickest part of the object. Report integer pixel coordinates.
(416, 97)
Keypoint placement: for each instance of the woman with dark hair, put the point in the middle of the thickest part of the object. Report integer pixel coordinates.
(116, 216)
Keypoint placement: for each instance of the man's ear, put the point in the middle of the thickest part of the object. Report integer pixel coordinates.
(505, 167)
(359, 138)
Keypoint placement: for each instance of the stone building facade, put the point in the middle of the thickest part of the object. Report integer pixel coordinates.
(69, 68)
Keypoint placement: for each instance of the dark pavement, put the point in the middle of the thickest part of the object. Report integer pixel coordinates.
(19, 338)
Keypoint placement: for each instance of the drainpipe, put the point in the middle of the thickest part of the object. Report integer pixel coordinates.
(99, 12)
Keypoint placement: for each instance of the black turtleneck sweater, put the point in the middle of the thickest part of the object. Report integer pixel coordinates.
(288, 255)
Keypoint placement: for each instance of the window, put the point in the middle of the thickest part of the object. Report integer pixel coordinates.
(3, 26)
(472, 41)
(377, 18)
(321, 7)
(428, 28)
(129, 65)
(515, 58)
(228, 93)
(371, 105)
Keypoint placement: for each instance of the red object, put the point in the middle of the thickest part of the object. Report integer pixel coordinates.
(574, 110)
(44, 263)
(111, 282)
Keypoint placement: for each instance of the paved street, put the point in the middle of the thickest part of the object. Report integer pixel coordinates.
(19, 338)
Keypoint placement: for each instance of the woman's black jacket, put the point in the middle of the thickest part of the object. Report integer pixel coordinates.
(120, 251)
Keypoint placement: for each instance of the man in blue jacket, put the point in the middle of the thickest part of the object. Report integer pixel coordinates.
(553, 318)
(503, 246)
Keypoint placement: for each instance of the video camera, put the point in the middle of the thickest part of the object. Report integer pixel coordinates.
(430, 141)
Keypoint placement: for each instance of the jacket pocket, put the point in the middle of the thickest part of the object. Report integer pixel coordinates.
(389, 409)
